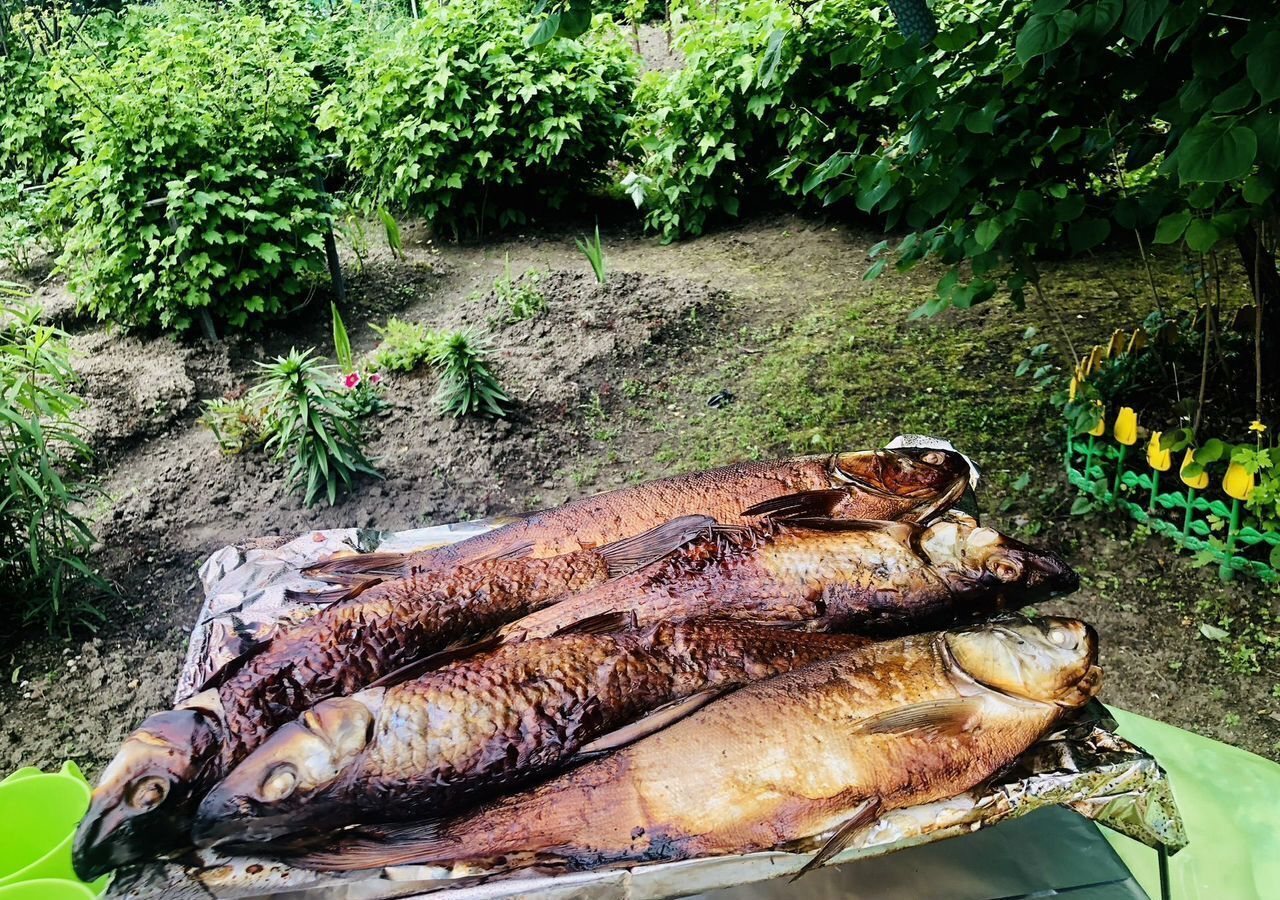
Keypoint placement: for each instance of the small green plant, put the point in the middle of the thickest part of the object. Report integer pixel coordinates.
(308, 423)
(20, 231)
(520, 298)
(237, 422)
(593, 250)
(466, 384)
(404, 346)
(44, 465)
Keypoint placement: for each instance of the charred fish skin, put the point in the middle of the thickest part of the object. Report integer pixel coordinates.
(883, 579)
(353, 643)
(479, 727)
(913, 484)
(889, 725)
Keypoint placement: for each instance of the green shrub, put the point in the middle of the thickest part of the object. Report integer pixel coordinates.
(467, 387)
(44, 465)
(453, 118)
(404, 346)
(520, 297)
(763, 91)
(197, 181)
(237, 422)
(307, 422)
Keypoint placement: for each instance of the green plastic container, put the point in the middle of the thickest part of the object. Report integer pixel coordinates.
(40, 812)
(48, 889)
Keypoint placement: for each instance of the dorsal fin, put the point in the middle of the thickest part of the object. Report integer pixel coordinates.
(636, 552)
(340, 569)
(609, 622)
(435, 661)
(655, 721)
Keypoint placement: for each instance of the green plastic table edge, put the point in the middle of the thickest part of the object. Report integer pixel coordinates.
(1230, 803)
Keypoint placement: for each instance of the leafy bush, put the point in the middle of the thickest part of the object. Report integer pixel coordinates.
(763, 90)
(452, 117)
(20, 231)
(197, 182)
(466, 384)
(44, 463)
(404, 346)
(307, 422)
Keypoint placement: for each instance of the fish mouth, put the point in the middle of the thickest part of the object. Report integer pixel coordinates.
(111, 839)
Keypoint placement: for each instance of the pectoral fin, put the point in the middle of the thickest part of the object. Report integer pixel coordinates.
(790, 506)
(636, 552)
(950, 716)
(655, 721)
(863, 816)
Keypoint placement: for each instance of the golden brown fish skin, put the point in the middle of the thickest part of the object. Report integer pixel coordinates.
(481, 726)
(908, 484)
(775, 762)
(871, 581)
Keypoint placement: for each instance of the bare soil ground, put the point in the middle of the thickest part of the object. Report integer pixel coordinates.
(612, 384)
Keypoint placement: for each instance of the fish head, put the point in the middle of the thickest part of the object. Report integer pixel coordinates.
(918, 482)
(144, 801)
(289, 781)
(1048, 659)
(993, 570)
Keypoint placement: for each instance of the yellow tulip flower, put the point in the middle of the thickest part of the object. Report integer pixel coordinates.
(1116, 345)
(1071, 391)
(1095, 360)
(1099, 429)
(1138, 341)
(1238, 482)
(1158, 459)
(1201, 481)
(1126, 427)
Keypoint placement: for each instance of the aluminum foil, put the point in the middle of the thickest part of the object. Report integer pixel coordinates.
(254, 588)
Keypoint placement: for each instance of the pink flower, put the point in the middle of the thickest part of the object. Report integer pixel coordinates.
(375, 379)
(352, 380)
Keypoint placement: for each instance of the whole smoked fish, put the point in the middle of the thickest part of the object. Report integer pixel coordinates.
(912, 484)
(836, 575)
(830, 746)
(478, 727)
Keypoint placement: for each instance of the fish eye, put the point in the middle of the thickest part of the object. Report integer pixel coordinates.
(280, 782)
(1005, 568)
(148, 792)
(1060, 637)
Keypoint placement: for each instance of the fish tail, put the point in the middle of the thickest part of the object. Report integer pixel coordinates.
(344, 569)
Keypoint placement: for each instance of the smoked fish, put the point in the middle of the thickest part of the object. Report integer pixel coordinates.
(478, 727)
(827, 747)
